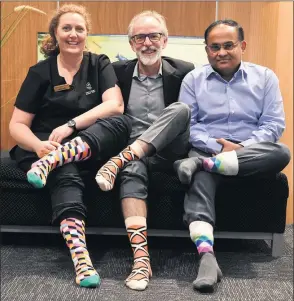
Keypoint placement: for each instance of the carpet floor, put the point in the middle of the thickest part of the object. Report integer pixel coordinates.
(38, 267)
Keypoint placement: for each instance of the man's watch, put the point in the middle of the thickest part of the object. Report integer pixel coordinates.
(72, 124)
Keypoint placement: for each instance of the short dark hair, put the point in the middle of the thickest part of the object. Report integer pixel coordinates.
(228, 22)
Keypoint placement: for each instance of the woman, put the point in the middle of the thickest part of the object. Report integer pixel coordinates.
(70, 97)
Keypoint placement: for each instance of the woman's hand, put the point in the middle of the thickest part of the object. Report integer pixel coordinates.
(45, 147)
(60, 133)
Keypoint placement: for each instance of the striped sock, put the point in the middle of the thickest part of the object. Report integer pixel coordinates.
(224, 163)
(137, 232)
(107, 174)
(201, 234)
(73, 231)
(74, 150)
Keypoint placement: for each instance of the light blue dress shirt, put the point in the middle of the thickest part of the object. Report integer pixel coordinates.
(248, 109)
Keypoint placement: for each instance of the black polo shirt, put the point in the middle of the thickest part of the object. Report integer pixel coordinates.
(52, 109)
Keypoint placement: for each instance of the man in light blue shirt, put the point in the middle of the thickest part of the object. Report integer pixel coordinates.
(237, 117)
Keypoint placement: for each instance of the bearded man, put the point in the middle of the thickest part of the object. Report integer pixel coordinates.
(150, 86)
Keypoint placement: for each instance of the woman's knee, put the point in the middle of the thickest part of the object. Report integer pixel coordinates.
(123, 121)
(68, 210)
(119, 125)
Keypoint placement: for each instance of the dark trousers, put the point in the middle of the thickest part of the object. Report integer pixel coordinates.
(259, 160)
(106, 138)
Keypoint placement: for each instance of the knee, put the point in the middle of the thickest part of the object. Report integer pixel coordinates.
(120, 124)
(283, 153)
(181, 110)
(123, 121)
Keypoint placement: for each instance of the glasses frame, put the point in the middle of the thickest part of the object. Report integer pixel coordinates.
(147, 35)
(222, 46)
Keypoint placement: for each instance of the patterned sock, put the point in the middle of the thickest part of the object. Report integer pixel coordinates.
(224, 163)
(73, 231)
(209, 272)
(201, 234)
(74, 150)
(107, 174)
(137, 231)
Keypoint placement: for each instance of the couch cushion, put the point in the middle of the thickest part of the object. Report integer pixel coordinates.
(249, 204)
(9, 170)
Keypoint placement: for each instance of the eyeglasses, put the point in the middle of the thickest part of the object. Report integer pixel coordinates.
(228, 46)
(153, 37)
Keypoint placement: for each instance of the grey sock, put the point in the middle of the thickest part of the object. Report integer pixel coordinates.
(209, 274)
(186, 168)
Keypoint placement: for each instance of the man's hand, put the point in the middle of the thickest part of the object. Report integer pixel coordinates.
(60, 133)
(45, 147)
(227, 145)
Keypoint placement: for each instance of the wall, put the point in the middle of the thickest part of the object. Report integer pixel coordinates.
(268, 30)
(17, 55)
(284, 70)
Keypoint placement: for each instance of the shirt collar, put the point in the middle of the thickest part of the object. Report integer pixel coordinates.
(241, 70)
(138, 76)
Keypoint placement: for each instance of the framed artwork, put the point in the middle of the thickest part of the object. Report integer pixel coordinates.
(116, 47)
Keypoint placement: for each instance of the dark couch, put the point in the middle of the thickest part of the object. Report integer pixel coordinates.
(245, 208)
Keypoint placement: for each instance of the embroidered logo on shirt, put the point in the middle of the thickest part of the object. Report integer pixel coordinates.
(89, 87)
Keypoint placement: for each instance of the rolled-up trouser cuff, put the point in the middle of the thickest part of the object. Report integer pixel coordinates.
(134, 180)
(59, 213)
(189, 218)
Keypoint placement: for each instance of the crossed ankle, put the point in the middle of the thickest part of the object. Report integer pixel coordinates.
(186, 168)
(74, 150)
(107, 174)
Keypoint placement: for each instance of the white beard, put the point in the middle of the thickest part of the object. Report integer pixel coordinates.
(149, 60)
